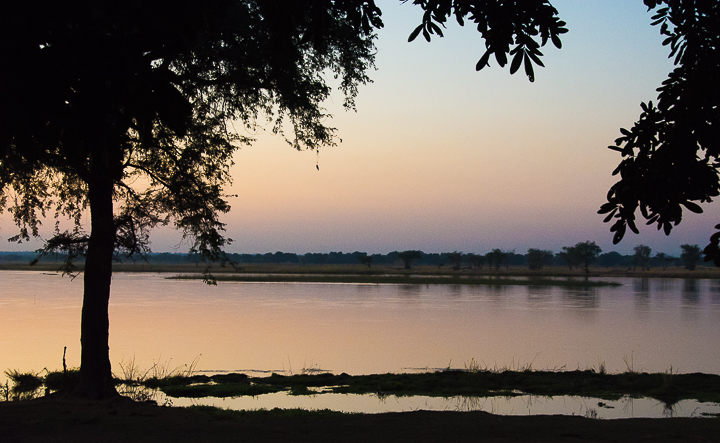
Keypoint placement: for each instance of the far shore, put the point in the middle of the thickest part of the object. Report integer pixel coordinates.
(701, 272)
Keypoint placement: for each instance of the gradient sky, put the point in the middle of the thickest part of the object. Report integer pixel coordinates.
(439, 157)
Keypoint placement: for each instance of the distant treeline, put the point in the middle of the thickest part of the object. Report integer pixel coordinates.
(395, 258)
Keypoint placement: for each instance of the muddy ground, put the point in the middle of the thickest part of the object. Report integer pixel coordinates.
(122, 420)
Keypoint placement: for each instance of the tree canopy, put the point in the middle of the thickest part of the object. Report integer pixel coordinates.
(670, 155)
(126, 110)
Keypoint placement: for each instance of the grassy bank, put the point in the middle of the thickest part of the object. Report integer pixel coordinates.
(403, 279)
(360, 270)
(57, 418)
(665, 387)
(668, 388)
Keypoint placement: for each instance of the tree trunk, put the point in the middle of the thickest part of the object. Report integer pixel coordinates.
(95, 373)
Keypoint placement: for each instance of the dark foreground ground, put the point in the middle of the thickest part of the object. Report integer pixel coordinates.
(122, 420)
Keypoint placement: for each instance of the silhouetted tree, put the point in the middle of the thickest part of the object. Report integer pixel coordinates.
(363, 258)
(122, 109)
(537, 258)
(476, 261)
(408, 256)
(496, 258)
(569, 255)
(587, 252)
(642, 256)
(670, 155)
(690, 256)
(664, 259)
(455, 258)
(582, 254)
(103, 94)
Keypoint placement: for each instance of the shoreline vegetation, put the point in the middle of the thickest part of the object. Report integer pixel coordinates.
(350, 273)
(474, 381)
(54, 417)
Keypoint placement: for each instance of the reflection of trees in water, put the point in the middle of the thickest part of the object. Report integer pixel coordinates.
(665, 284)
(539, 295)
(691, 291)
(581, 298)
(455, 290)
(641, 293)
(366, 289)
(641, 286)
(714, 286)
(410, 290)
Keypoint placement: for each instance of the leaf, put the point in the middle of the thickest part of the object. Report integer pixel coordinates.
(667, 227)
(692, 207)
(556, 41)
(631, 225)
(501, 58)
(534, 56)
(516, 61)
(435, 29)
(529, 69)
(619, 235)
(483, 60)
(415, 33)
(610, 216)
(607, 207)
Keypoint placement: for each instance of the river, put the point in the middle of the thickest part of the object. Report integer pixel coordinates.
(652, 325)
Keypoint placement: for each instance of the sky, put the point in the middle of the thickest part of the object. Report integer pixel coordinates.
(439, 157)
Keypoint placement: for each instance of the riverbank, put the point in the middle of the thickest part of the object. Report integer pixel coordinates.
(121, 419)
(701, 272)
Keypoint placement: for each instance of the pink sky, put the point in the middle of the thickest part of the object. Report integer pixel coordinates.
(440, 158)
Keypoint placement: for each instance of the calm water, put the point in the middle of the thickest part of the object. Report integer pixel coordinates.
(645, 324)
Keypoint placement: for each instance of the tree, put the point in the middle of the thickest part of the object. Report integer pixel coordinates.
(103, 95)
(476, 261)
(570, 256)
(363, 258)
(122, 110)
(642, 256)
(537, 258)
(456, 259)
(690, 256)
(670, 155)
(408, 256)
(497, 257)
(583, 253)
(587, 252)
(664, 259)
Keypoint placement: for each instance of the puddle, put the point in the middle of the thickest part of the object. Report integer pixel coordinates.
(519, 405)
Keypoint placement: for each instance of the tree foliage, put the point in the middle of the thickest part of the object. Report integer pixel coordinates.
(474, 260)
(407, 257)
(538, 258)
(582, 254)
(642, 256)
(497, 257)
(126, 111)
(671, 154)
(515, 29)
(690, 256)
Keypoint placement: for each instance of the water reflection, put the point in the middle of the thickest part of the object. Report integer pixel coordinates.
(366, 329)
(410, 290)
(691, 292)
(625, 407)
(641, 286)
(581, 299)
